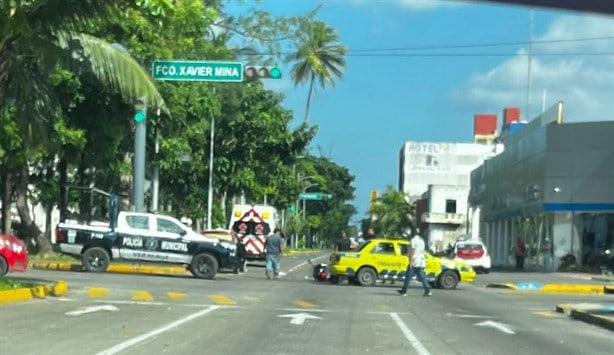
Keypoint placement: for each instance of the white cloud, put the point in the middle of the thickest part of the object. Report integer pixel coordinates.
(585, 83)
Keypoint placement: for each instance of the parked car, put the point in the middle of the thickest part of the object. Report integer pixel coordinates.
(13, 254)
(474, 253)
(386, 259)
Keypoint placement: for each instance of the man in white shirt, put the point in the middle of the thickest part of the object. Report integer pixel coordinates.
(416, 265)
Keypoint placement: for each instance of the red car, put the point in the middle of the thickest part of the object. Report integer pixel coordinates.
(13, 254)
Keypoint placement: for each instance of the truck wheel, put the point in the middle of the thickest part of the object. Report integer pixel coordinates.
(4, 266)
(204, 266)
(448, 280)
(95, 259)
(366, 276)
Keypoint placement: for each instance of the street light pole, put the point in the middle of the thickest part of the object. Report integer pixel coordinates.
(210, 190)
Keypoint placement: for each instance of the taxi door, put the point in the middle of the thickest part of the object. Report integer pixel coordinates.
(388, 260)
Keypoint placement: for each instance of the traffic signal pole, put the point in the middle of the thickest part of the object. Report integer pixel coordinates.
(140, 137)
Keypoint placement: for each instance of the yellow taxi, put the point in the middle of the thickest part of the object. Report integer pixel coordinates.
(386, 259)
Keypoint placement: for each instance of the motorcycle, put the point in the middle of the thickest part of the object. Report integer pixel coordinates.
(319, 271)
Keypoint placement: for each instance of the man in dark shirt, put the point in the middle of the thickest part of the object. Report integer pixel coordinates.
(343, 243)
(273, 246)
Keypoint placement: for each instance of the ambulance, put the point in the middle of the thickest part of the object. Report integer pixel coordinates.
(251, 224)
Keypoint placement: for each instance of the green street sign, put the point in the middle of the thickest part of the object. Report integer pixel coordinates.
(315, 196)
(183, 70)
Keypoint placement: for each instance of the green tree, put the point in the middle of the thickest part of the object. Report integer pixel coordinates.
(393, 216)
(319, 57)
(37, 37)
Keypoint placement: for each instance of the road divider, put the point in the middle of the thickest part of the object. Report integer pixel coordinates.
(27, 293)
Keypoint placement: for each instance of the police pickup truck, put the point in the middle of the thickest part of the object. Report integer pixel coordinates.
(145, 237)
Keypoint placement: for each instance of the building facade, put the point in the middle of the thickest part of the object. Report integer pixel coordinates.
(553, 180)
(436, 176)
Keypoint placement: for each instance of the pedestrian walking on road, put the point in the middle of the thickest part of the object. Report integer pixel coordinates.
(416, 265)
(519, 251)
(547, 254)
(273, 248)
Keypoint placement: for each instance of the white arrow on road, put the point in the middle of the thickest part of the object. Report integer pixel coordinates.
(299, 318)
(92, 309)
(499, 326)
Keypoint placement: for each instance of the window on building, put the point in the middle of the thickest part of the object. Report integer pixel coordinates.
(450, 206)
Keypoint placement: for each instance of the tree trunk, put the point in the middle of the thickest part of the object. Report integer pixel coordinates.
(62, 167)
(6, 202)
(29, 227)
(313, 79)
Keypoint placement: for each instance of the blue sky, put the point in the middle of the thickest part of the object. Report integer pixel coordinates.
(384, 100)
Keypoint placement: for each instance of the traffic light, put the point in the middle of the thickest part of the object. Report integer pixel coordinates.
(140, 108)
(259, 72)
(292, 209)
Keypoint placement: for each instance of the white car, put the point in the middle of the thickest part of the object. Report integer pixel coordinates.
(474, 253)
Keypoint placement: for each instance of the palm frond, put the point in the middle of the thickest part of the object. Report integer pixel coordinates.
(115, 68)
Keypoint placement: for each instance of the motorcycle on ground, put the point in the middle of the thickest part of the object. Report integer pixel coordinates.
(319, 271)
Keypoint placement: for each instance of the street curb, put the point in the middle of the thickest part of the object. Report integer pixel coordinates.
(27, 293)
(606, 322)
(116, 268)
(555, 288)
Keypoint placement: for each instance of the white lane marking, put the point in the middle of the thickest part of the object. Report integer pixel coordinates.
(409, 335)
(92, 309)
(466, 315)
(499, 326)
(299, 318)
(130, 342)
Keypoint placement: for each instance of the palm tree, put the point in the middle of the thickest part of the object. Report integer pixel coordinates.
(394, 215)
(37, 37)
(319, 57)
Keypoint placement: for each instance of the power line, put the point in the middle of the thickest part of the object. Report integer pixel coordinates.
(480, 45)
(478, 54)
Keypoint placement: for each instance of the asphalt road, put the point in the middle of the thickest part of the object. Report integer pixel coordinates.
(246, 314)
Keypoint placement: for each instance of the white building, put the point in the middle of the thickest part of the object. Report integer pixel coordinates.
(436, 176)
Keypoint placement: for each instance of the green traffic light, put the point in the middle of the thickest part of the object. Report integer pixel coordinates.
(139, 117)
(275, 73)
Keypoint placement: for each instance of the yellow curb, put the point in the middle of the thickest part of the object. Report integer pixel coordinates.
(59, 289)
(27, 293)
(38, 291)
(124, 268)
(119, 268)
(572, 288)
(16, 295)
